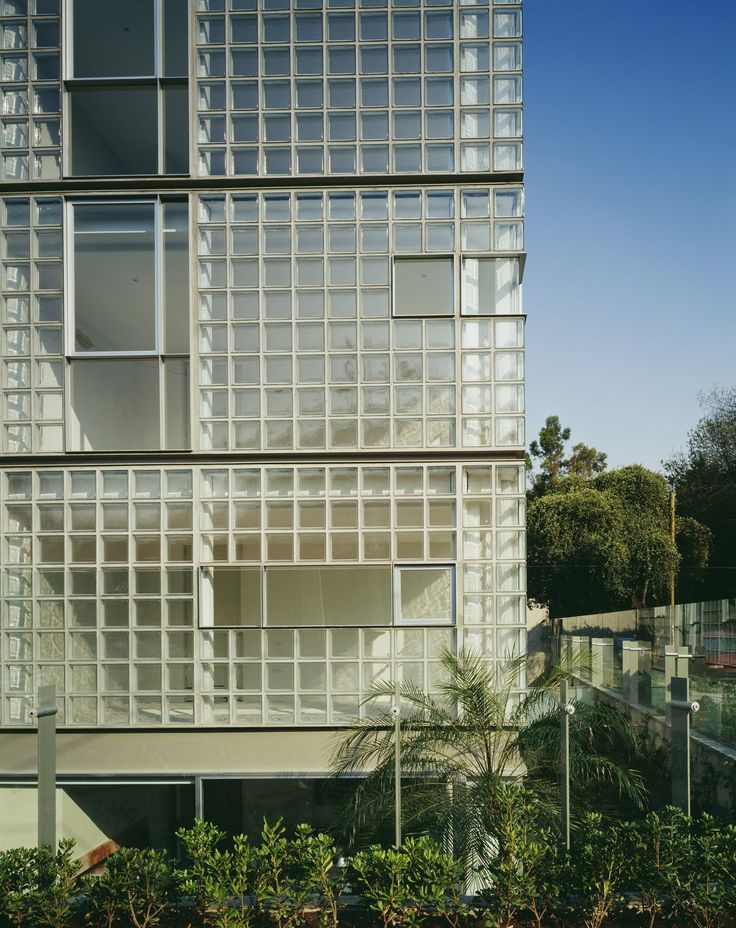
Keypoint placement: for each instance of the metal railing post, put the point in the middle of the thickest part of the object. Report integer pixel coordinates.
(45, 712)
(681, 709)
(567, 709)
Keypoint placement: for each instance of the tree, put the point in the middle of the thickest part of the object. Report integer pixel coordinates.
(549, 452)
(601, 544)
(461, 747)
(704, 475)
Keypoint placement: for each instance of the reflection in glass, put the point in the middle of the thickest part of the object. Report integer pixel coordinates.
(114, 277)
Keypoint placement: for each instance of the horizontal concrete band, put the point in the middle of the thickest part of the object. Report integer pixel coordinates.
(174, 753)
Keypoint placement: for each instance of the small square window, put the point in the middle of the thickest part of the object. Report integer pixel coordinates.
(424, 595)
(424, 286)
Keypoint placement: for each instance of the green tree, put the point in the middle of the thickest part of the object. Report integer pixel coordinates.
(550, 454)
(602, 544)
(704, 478)
(461, 747)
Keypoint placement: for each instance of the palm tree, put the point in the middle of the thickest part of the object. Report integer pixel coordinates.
(461, 748)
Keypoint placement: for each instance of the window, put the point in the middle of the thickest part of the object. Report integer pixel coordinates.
(424, 286)
(230, 596)
(115, 126)
(128, 325)
(328, 596)
(424, 595)
(491, 286)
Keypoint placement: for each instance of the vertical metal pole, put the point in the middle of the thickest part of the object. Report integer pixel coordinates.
(198, 799)
(680, 710)
(46, 714)
(566, 710)
(672, 578)
(396, 712)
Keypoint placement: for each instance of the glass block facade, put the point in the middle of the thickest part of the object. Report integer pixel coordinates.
(416, 87)
(262, 366)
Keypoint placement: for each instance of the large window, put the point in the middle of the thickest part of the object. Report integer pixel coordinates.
(128, 325)
(127, 87)
(327, 596)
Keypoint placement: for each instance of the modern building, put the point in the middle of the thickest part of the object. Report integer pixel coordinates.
(262, 386)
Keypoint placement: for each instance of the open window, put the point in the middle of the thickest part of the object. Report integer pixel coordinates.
(424, 286)
(230, 597)
(491, 286)
(128, 325)
(127, 87)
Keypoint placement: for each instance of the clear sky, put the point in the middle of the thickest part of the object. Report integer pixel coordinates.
(630, 159)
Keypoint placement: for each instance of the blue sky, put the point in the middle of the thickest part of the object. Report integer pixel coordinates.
(630, 285)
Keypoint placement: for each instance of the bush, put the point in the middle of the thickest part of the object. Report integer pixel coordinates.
(216, 883)
(136, 889)
(521, 872)
(37, 886)
(704, 891)
(680, 869)
(596, 871)
(406, 885)
(655, 849)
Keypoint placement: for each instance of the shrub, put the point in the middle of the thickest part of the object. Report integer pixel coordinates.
(135, 889)
(596, 871)
(655, 848)
(405, 885)
(37, 886)
(216, 882)
(704, 891)
(522, 868)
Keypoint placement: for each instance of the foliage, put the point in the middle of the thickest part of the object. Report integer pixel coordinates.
(549, 453)
(37, 885)
(407, 885)
(577, 552)
(704, 474)
(596, 871)
(602, 545)
(655, 848)
(704, 892)
(461, 746)
(137, 888)
(314, 867)
(677, 870)
(521, 868)
(57, 880)
(215, 881)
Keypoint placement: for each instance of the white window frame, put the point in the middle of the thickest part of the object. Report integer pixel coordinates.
(410, 623)
(430, 256)
(69, 297)
(206, 595)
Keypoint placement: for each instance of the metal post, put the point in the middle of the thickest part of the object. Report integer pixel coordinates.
(567, 709)
(198, 799)
(673, 534)
(396, 712)
(676, 664)
(45, 712)
(681, 708)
